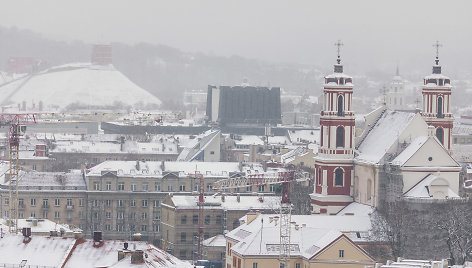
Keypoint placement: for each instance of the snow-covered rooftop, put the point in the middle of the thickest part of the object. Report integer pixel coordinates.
(34, 180)
(422, 189)
(215, 241)
(414, 146)
(230, 202)
(305, 136)
(383, 135)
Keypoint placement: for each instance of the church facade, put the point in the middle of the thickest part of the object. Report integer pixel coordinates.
(389, 155)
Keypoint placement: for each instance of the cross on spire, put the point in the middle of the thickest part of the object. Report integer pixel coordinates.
(437, 45)
(339, 44)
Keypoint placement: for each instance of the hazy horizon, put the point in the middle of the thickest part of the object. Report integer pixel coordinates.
(376, 34)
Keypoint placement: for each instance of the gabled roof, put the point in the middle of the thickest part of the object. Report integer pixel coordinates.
(195, 148)
(422, 189)
(414, 146)
(383, 135)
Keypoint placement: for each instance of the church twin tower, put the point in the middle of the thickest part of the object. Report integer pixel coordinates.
(334, 164)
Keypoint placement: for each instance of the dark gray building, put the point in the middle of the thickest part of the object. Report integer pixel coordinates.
(243, 105)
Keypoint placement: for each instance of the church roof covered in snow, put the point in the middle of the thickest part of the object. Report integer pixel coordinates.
(383, 135)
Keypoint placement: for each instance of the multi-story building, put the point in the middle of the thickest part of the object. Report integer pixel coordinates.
(179, 219)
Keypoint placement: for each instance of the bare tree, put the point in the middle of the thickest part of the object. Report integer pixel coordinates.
(454, 220)
(391, 226)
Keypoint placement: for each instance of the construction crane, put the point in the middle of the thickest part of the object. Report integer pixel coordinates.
(284, 178)
(17, 127)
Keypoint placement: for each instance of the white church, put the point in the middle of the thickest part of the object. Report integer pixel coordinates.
(387, 155)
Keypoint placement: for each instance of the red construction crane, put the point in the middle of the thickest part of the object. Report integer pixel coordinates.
(284, 178)
(17, 124)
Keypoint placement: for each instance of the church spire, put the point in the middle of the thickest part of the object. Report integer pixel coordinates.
(437, 67)
(338, 68)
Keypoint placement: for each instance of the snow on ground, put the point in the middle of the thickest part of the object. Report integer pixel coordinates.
(82, 82)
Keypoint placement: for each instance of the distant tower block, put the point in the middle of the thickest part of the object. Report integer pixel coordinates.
(437, 102)
(101, 55)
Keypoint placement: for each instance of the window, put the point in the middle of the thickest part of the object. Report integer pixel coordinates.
(32, 214)
(271, 187)
(209, 187)
(195, 219)
(34, 167)
(144, 203)
(183, 237)
(338, 177)
(340, 106)
(57, 214)
(182, 188)
(121, 203)
(95, 203)
(183, 219)
(96, 186)
(69, 201)
(207, 220)
(297, 265)
(169, 188)
(218, 219)
(143, 228)
(254, 265)
(45, 203)
(108, 203)
(320, 177)
(108, 215)
(69, 215)
(45, 214)
(108, 185)
(341, 253)
(440, 135)
(121, 186)
(440, 107)
(95, 215)
(81, 202)
(212, 152)
(157, 187)
(155, 228)
(57, 202)
(120, 228)
(155, 203)
(145, 186)
(260, 188)
(132, 203)
(120, 215)
(107, 227)
(133, 187)
(143, 215)
(7, 201)
(33, 202)
(249, 189)
(339, 137)
(21, 203)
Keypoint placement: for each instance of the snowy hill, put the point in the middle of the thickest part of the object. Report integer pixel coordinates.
(80, 84)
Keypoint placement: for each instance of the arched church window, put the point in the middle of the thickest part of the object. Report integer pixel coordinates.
(440, 107)
(320, 179)
(339, 137)
(338, 177)
(369, 189)
(440, 134)
(340, 106)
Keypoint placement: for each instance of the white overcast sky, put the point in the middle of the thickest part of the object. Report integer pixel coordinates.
(375, 32)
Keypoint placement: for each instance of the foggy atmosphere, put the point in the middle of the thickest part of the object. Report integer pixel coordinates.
(236, 134)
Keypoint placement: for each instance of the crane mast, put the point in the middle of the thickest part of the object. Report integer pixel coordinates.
(284, 178)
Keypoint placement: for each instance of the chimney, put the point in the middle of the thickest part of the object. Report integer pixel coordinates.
(431, 131)
(297, 227)
(97, 236)
(303, 225)
(222, 197)
(26, 234)
(260, 197)
(77, 234)
(251, 216)
(276, 219)
(34, 222)
(238, 197)
(137, 237)
(125, 246)
(271, 219)
(137, 257)
(137, 165)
